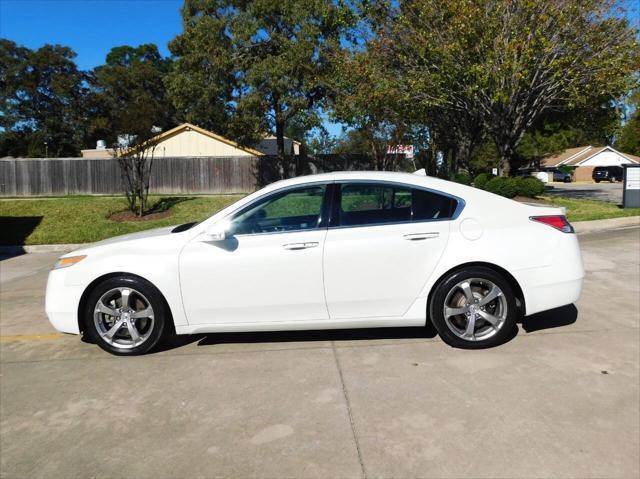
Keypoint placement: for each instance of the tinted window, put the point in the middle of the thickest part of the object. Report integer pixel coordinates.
(365, 204)
(293, 210)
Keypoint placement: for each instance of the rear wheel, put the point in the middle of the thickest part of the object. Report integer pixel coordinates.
(125, 315)
(474, 308)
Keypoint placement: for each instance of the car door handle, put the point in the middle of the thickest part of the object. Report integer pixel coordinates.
(295, 246)
(420, 236)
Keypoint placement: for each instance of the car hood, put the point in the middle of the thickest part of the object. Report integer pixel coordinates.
(125, 238)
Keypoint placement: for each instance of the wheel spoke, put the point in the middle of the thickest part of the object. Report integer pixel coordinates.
(144, 313)
(125, 297)
(103, 308)
(471, 326)
(494, 320)
(114, 329)
(133, 331)
(448, 312)
(466, 289)
(491, 295)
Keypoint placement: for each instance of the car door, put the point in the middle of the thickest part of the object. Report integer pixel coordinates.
(269, 268)
(383, 243)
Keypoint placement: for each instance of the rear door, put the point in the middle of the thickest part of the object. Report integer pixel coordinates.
(382, 245)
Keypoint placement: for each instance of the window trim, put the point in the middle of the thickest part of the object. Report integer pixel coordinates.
(335, 201)
(322, 220)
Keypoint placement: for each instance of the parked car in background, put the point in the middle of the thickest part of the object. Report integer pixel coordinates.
(328, 251)
(559, 175)
(607, 173)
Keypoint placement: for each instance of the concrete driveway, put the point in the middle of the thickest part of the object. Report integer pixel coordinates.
(561, 399)
(611, 192)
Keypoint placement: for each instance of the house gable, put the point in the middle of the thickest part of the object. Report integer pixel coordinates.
(189, 140)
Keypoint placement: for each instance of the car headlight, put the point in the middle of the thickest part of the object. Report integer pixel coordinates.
(69, 261)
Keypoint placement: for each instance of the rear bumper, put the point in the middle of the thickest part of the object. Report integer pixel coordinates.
(61, 303)
(557, 284)
(550, 296)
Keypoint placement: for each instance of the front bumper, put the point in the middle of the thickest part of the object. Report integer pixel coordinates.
(61, 303)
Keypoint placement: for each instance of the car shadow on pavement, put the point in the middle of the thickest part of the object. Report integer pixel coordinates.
(298, 336)
(554, 318)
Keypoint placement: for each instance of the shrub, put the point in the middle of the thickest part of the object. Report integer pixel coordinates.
(529, 186)
(503, 186)
(481, 180)
(462, 178)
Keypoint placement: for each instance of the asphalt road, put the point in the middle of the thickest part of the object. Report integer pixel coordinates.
(611, 192)
(561, 399)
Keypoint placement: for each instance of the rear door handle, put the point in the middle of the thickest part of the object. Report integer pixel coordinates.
(295, 246)
(420, 236)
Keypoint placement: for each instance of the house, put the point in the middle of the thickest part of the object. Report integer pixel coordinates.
(189, 140)
(584, 159)
(269, 146)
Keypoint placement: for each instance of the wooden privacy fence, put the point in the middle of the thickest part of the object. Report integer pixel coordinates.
(74, 176)
(213, 175)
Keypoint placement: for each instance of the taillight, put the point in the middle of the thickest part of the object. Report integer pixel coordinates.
(558, 222)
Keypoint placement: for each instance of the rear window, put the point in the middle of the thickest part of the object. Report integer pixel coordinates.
(371, 204)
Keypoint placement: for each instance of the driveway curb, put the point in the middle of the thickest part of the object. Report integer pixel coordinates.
(40, 248)
(581, 227)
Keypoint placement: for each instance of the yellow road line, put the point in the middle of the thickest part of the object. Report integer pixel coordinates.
(30, 337)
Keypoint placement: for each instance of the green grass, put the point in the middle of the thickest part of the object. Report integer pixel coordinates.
(84, 219)
(586, 210)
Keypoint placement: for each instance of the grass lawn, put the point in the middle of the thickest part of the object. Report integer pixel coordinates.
(586, 210)
(84, 219)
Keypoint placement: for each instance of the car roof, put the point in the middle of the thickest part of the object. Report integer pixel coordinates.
(385, 176)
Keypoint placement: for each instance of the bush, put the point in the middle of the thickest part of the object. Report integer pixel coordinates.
(481, 180)
(503, 186)
(511, 187)
(530, 186)
(462, 178)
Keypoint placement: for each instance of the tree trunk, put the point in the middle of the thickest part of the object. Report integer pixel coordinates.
(282, 157)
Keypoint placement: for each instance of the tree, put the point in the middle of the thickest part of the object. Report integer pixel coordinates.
(509, 62)
(128, 95)
(556, 131)
(135, 155)
(129, 107)
(629, 139)
(366, 97)
(260, 63)
(41, 95)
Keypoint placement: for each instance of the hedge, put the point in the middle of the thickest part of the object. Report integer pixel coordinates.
(511, 187)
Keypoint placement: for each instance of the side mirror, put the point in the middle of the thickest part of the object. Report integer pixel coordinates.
(219, 231)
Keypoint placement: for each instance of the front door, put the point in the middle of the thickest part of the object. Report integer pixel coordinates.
(268, 269)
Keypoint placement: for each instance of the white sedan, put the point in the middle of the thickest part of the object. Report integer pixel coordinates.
(337, 250)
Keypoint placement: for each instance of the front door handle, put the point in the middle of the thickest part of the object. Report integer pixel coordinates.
(295, 246)
(420, 236)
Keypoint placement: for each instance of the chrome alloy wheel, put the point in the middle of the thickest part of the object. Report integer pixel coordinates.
(123, 317)
(475, 309)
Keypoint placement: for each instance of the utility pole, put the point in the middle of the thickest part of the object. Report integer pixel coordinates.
(46, 149)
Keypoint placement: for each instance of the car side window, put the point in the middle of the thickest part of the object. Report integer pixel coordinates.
(292, 210)
(371, 203)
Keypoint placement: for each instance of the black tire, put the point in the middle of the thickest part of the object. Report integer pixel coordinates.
(142, 291)
(597, 181)
(448, 284)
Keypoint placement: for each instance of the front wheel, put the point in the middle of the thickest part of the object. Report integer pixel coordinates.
(474, 308)
(125, 315)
